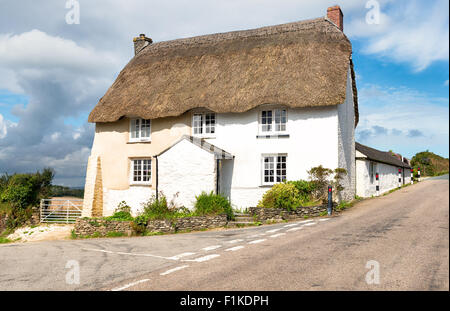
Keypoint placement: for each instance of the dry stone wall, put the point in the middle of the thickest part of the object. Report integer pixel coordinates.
(277, 214)
(101, 227)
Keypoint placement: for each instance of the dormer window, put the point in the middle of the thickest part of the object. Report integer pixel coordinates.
(204, 124)
(140, 130)
(273, 121)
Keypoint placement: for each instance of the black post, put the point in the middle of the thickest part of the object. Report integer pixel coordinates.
(330, 200)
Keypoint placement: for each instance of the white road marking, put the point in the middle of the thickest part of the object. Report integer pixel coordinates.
(256, 241)
(174, 269)
(291, 225)
(123, 253)
(129, 285)
(305, 221)
(309, 224)
(210, 248)
(324, 219)
(294, 229)
(235, 241)
(277, 235)
(232, 249)
(274, 230)
(176, 257)
(204, 258)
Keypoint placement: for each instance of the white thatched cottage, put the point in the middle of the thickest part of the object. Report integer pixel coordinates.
(231, 112)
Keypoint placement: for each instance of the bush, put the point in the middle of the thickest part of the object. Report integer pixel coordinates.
(305, 189)
(122, 213)
(283, 195)
(212, 204)
(22, 191)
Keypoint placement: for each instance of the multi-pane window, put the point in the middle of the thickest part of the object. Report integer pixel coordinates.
(141, 170)
(273, 121)
(140, 129)
(274, 169)
(204, 123)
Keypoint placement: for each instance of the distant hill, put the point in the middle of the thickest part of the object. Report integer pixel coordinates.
(430, 163)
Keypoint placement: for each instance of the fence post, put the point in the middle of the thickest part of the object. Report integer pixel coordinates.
(418, 172)
(330, 200)
(40, 210)
(412, 176)
(399, 178)
(377, 183)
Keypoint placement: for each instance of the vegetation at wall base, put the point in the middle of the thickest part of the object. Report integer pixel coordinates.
(212, 204)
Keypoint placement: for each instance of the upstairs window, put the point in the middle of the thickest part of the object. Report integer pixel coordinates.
(273, 121)
(204, 124)
(141, 171)
(274, 169)
(140, 130)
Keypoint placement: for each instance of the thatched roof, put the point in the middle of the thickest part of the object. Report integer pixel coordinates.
(301, 64)
(380, 156)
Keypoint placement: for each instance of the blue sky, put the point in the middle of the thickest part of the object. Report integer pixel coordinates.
(53, 73)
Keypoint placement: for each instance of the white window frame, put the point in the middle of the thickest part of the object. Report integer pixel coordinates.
(133, 129)
(203, 115)
(274, 156)
(132, 164)
(273, 124)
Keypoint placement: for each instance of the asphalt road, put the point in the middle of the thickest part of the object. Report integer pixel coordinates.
(404, 236)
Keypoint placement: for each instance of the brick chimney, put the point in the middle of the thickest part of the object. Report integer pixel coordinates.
(141, 42)
(335, 15)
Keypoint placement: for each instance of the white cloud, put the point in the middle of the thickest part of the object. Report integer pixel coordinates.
(446, 83)
(414, 32)
(402, 117)
(2, 127)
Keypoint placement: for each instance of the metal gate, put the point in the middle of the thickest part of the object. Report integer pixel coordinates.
(60, 210)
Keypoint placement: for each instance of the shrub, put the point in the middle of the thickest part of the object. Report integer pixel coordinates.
(22, 191)
(212, 204)
(305, 189)
(122, 213)
(283, 195)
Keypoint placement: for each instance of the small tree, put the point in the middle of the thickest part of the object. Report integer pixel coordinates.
(320, 176)
(339, 174)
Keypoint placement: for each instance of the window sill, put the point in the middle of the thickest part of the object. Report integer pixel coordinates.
(140, 185)
(266, 186)
(272, 136)
(139, 142)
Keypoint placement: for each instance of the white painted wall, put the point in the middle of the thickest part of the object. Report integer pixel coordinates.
(313, 141)
(346, 141)
(134, 196)
(388, 175)
(188, 170)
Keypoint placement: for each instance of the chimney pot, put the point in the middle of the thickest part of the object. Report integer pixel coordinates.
(141, 42)
(334, 14)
